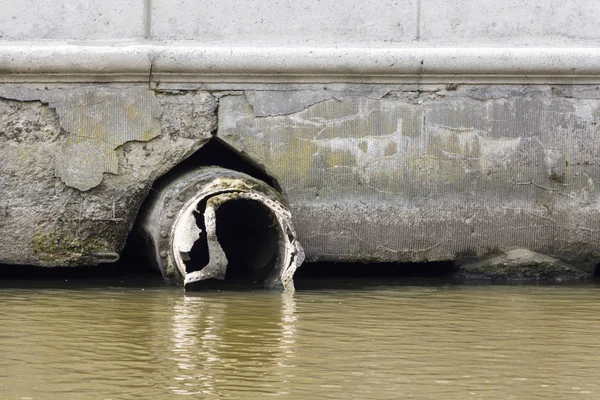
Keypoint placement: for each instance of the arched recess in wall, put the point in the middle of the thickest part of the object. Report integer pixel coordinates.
(218, 216)
(218, 153)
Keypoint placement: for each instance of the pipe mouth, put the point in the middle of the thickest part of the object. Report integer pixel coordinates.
(251, 238)
(231, 230)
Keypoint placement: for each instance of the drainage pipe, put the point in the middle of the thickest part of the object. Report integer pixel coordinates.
(215, 223)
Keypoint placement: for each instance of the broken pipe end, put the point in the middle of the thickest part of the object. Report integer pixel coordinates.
(215, 223)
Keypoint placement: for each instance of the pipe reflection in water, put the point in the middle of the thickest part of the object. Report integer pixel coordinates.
(213, 340)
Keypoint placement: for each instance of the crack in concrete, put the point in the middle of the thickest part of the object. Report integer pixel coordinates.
(97, 123)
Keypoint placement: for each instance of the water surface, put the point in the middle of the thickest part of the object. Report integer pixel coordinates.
(348, 340)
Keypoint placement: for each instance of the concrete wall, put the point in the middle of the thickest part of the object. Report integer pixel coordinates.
(71, 19)
(400, 130)
(508, 22)
(75, 133)
(285, 21)
(371, 174)
(511, 22)
(430, 175)
(185, 44)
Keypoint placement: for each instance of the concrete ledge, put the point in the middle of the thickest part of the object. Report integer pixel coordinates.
(61, 62)
(190, 63)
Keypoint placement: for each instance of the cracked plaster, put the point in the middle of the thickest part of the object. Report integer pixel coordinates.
(431, 175)
(48, 222)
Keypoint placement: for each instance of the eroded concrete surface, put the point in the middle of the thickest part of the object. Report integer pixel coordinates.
(520, 265)
(433, 174)
(77, 164)
(408, 173)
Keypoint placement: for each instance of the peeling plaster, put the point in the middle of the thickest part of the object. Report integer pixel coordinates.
(97, 122)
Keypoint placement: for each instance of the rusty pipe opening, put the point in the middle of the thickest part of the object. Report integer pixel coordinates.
(215, 223)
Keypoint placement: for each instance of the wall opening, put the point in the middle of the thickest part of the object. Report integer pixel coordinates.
(214, 153)
(218, 153)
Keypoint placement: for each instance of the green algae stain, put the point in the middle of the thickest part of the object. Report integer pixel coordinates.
(338, 158)
(364, 146)
(391, 149)
(54, 247)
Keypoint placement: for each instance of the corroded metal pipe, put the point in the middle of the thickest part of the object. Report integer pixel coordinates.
(215, 223)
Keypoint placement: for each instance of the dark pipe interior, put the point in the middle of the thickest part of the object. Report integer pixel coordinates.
(218, 153)
(249, 235)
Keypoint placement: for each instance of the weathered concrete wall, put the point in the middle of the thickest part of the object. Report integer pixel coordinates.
(77, 164)
(508, 22)
(285, 21)
(430, 175)
(333, 98)
(412, 174)
(71, 19)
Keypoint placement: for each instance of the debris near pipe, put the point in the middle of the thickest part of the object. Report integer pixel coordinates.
(215, 223)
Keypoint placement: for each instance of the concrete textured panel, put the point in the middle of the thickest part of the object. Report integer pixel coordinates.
(44, 221)
(285, 21)
(432, 175)
(510, 22)
(71, 19)
(97, 123)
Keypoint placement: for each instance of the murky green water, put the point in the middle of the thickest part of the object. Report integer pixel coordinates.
(358, 341)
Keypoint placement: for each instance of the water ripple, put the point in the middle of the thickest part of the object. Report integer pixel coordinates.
(423, 342)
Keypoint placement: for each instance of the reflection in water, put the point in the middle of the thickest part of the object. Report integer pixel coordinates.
(213, 340)
(378, 342)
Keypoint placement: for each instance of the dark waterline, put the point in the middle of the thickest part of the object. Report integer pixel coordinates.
(311, 276)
